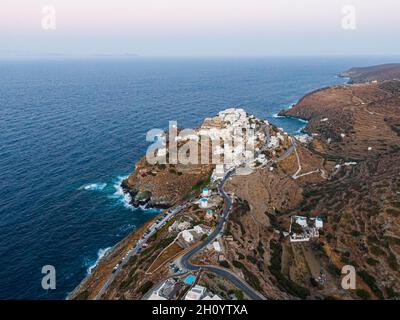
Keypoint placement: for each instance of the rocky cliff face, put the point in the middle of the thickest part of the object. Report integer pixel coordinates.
(162, 186)
(359, 202)
(349, 174)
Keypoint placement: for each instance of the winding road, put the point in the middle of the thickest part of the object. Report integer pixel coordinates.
(238, 282)
(184, 260)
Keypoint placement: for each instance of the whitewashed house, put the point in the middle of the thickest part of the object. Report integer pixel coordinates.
(187, 236)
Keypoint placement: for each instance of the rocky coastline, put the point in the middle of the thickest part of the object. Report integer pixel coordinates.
(347, 173)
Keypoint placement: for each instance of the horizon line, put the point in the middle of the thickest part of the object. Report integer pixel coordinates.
(32, 56)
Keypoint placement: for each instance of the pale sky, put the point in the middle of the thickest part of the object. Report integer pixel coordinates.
(200, 27)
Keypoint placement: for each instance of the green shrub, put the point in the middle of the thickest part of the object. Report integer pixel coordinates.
(355, 233)
(238, 264)
(252, 259)
(224, 264)
(241, 256)
(391, 293)
(372, 261)
(334, 270)
(392, 261)
(145, 287)
(371, 282)
(84, 295)
(283, 282)
(252, 279)
(260, 248)
(239, 294)
(361, 293)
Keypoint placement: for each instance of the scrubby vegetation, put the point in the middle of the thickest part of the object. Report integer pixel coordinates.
(371, 282)
(146, 287)
(283, 282)
(225, 264)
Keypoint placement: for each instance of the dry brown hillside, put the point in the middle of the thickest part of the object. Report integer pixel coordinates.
(353, 121)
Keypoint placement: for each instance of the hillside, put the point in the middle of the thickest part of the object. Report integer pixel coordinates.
(353, 122)
(374, 73)
(346, 174)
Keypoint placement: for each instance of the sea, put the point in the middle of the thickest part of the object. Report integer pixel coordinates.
(72, 129)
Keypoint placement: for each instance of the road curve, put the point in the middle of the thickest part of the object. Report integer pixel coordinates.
(240, 283)
(184, 260)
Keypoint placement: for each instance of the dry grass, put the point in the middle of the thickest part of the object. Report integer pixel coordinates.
(166, 255)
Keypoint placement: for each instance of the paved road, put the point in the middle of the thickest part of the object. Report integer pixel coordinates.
(240, 283)
(184, 260)
(139, 245)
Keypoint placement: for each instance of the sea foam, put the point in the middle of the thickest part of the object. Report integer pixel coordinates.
(120, 195)
(125, 198)
(93, 186)
(100, 254)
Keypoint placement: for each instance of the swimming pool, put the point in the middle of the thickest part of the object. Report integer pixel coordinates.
(190, 279)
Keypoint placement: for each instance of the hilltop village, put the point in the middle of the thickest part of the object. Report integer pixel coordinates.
(278, 220)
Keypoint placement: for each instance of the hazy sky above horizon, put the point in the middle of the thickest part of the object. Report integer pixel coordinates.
(199, 27)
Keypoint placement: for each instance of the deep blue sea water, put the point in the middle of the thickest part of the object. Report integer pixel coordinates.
(70, 129)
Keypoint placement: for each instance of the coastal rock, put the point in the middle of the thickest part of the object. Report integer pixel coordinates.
(163, 186)
(358, 201)
(374, 73)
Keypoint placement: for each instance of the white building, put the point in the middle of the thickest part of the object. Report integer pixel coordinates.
(155, 296)
(199, 229)
(319, 224)
(187, 236)
(204, 202)
(310, 228)
(304, 138)
(302, 221)
(214, 297)
(205, 192)
(176, 226)
(217, 246)
(183, 225)
(273, 142)
(219, 170)
(196, 293)
(280, 137)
